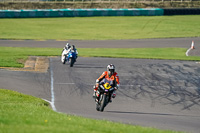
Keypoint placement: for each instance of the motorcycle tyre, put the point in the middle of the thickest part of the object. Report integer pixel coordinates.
(71, 61)
(97, 107)
(64, 62)
(103, 102)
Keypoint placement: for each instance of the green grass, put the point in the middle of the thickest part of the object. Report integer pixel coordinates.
(12, 56)
(22, 113)
(146, 53)
(101, 28)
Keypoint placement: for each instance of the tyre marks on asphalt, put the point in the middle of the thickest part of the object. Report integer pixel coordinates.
(170, 83)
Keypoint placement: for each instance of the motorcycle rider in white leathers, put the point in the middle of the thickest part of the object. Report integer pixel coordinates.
(66, 50)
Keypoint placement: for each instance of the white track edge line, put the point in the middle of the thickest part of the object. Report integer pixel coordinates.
(52, 90)
(187, 51)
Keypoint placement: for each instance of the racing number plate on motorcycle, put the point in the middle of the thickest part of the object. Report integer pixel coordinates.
(107, 86)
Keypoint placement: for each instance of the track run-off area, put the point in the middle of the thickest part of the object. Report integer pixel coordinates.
(164, 94)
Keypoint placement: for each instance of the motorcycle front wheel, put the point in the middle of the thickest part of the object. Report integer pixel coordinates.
(71, 61)
(103, 102)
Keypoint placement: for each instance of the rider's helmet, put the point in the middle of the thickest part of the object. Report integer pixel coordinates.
(67, 46)
(73, 47)
(111, 69)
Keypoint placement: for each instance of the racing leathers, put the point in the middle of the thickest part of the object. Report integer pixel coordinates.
(114, 77)
(65, 53)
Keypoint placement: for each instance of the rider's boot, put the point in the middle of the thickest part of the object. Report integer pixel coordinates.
(110, 100)
(95, 90)
(112, 96)
(75, 59)
(94, 94)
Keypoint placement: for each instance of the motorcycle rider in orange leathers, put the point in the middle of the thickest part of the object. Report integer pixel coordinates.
(110, 74)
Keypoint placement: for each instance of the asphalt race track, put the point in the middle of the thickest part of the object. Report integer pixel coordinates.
(164, 94)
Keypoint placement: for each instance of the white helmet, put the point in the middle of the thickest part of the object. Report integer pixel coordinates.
(111, 69)
(67, 46)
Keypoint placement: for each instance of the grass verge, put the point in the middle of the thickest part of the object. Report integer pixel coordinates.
(100, 28)
(22, 113)
(145, 53)
(15, 56)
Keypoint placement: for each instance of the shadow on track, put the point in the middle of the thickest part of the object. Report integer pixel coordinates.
(86, 66)
(142, 113)
(166, 84)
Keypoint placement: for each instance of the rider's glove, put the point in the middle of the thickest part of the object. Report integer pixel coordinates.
(117, 87)
(97, 81)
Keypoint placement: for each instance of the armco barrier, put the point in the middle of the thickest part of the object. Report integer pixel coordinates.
(182, 11)
(80, 12)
